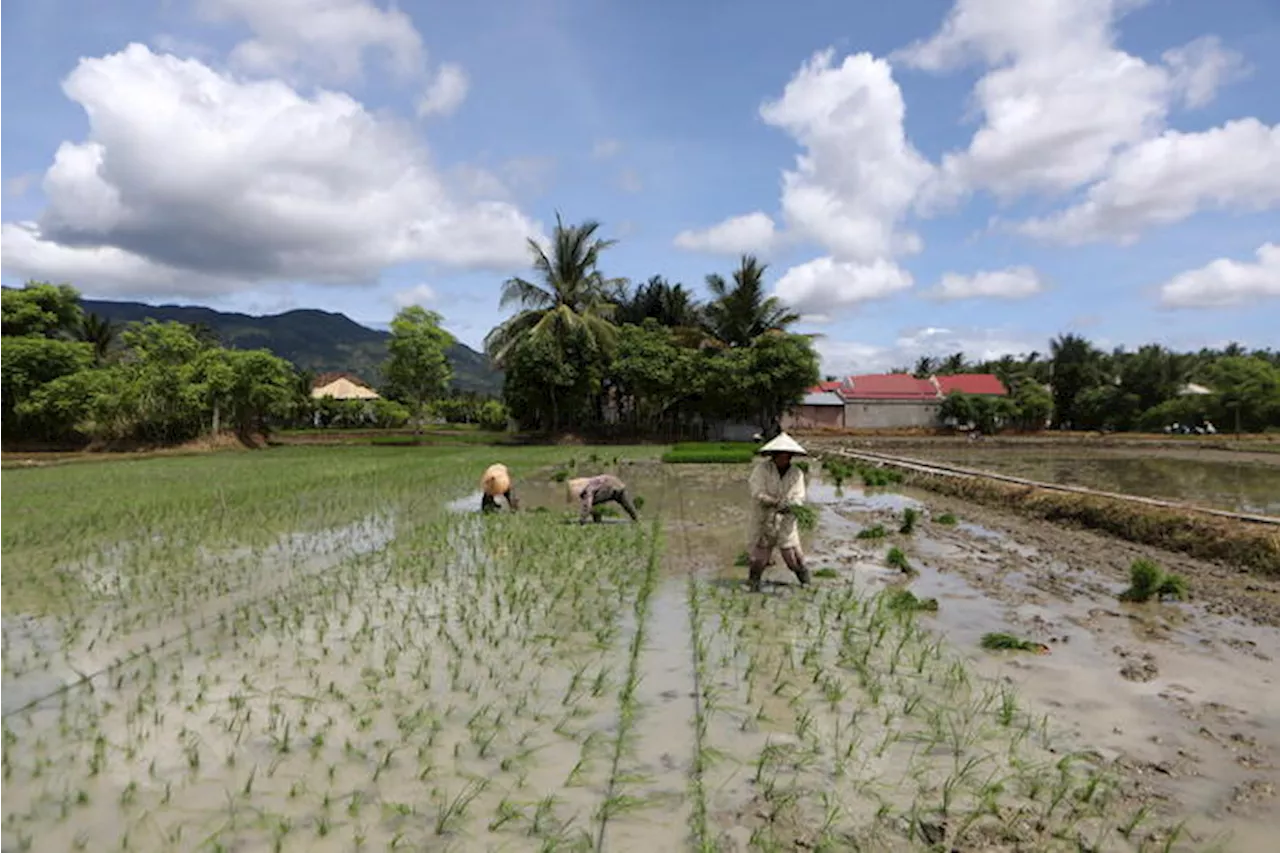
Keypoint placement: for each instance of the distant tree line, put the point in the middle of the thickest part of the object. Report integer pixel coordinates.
(589, 353)
(1079, 386)
(69, 377)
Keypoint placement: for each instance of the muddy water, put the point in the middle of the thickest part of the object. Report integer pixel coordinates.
(1216, 481)
(1185, 701)
(462, 684)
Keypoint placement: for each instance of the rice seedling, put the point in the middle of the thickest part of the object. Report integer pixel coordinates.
(998, 640)
(826, 572)
(946, 518)
(897, 559)
(806, 517)
(1147, 581)
(910, 516)
(904, 600)
(874, 532)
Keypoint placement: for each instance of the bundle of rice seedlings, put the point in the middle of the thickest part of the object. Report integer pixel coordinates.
(909, 517)
(897, 559)
(946, 518)
(1000, 640)
(876, 532)
(806, 517)
(1147, 581)
(906, 600)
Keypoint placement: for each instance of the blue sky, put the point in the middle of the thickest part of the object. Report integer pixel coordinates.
(1004, 144)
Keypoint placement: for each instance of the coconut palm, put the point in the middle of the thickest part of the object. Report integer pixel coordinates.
(740, 313)
(98, 331)
(573, 295)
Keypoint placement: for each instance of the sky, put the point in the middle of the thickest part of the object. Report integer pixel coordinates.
(921, 178)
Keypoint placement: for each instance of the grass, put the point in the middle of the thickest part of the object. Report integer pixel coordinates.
(313, 650)
(710, 452)
(897, 559)
(1147, 581)
(876, 531)
(946, 518)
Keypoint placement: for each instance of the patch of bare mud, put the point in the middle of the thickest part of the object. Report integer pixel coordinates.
(1181, 699)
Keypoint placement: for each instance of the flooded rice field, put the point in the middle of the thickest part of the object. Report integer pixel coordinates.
(1243, 482)
(414, 675)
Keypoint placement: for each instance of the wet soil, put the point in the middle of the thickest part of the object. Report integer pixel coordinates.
(444, 680)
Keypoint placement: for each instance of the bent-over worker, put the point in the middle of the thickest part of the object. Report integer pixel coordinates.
(497, 481)
(593, 491)
(776, 486)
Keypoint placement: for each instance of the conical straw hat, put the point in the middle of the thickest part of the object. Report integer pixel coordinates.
(783, 443)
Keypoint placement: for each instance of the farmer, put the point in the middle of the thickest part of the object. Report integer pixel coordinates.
(497, 481)
(776, 487)
(590, 492)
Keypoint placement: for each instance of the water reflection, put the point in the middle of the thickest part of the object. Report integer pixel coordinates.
(1241, 486)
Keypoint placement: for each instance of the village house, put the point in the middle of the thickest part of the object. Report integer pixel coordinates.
(341, 386)
(885, 400)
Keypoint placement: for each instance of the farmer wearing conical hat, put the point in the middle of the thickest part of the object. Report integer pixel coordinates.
(590, 492)
(497, 481)
(776, 486)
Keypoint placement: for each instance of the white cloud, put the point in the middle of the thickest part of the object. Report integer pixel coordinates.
(1011, 283)
(1058, 102)
(201, 178)
(825, 284)
(1224, 282)
(858, 174)
(325, 38)
(446, 93)
(843, 358)
(19, 184)
(848, 191)
(606, 148)
(422, 294)
(1170, 177)
(1201, 68)
(629, 181)
(751, 233)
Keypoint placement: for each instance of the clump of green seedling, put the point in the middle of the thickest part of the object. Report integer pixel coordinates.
(1147, 581)
(897, 559)
(876, 532)
(825, 573)
(999, 640)
(946, 518)
(904, 600)
(838, 470)
(910, 516)
(806, 516)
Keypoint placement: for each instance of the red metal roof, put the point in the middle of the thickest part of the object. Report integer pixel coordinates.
(888, 386)
(832, 385)
(971, 383)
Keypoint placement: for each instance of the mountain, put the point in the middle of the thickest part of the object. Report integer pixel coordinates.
(313, 340)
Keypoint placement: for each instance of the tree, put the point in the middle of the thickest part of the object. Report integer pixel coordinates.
(39, 309)
(573, 297)
(100, 333)
(739, 314)
(26, 365)
(417, 369)
(925, 367)
(549, 382)
(669, 305)
(780, 368)
(1075, 369)
(1034, 405)
(652, 373)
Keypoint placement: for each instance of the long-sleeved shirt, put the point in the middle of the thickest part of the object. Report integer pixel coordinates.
(770, 491)
(601, 489)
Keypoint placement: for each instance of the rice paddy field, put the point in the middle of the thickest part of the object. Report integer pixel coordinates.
(330, 648)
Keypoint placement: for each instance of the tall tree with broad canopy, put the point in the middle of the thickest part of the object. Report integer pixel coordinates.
(417, 370)
(572, 297)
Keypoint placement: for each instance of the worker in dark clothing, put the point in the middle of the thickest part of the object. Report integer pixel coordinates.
(593, 491)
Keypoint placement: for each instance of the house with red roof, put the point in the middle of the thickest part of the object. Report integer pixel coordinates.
(885, 400)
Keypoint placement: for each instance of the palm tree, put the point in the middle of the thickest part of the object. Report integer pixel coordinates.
(573, 296)
(953, 364)
(926, 366)
(98, 331)
(739, 314)
(670, 305)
